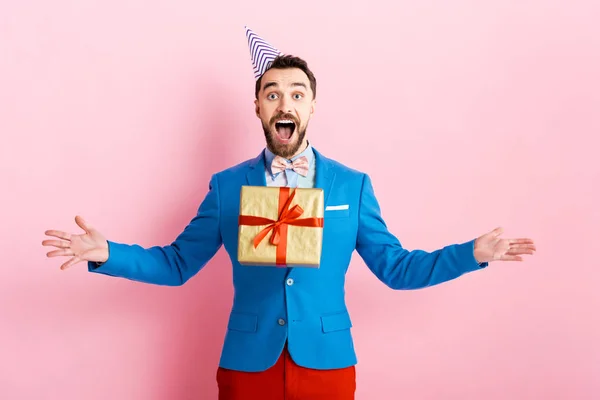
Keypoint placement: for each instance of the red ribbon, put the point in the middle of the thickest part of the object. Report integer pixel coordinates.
(279, 227)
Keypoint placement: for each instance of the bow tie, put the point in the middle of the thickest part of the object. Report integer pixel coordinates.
(299, 165)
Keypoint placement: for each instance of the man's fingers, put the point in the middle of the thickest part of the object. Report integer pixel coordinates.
(508, 257)
(59, 234)
(520, 241)
(83, 224)
(522, 246)
(71, 262)
(62, 244)
(60, 252)
(516, 252)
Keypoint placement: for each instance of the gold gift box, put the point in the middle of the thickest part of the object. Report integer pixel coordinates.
(291, 237)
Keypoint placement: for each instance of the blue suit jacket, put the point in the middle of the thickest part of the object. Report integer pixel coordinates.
(304, 306)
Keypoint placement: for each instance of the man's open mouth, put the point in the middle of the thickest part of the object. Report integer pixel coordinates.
(285, 129)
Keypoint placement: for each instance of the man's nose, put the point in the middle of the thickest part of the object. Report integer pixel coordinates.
(285, 105)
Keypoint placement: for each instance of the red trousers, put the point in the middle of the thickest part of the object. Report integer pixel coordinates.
(287, 381)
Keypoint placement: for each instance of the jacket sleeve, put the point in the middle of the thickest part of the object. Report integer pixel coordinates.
(400, 268)
(174, 264)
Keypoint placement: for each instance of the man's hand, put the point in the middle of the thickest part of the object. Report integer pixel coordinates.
(90, 246)
(490, 247)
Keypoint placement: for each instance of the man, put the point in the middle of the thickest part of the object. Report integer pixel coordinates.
(288, 333)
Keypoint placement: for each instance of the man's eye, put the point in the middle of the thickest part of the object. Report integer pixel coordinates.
(272, 96)
(297, 96)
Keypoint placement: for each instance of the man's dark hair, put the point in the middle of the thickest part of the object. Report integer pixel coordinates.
(289, 61)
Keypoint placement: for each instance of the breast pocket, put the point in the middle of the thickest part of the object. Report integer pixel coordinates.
(337, 211)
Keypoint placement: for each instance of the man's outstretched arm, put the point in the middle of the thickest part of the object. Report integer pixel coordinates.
(400, 268)
(170, 265)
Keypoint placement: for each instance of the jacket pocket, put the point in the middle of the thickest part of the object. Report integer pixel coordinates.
(242, 322)
(336, 322)
(335, 213)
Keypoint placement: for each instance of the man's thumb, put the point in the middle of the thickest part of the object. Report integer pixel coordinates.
(82, 224)
(497, 232)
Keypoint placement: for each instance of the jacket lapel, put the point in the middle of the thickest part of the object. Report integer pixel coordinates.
(256, 175)
(325, 174)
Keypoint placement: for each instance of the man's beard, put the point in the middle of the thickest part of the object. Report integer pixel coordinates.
(280, 149)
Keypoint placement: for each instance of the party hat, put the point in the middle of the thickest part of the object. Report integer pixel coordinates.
(262, 53)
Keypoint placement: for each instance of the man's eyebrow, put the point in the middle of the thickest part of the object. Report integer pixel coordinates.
(275, 84)
(269, 84)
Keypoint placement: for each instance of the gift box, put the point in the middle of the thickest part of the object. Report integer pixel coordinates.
(280, 226)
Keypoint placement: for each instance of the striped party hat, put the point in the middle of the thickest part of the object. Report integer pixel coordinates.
(262, 53)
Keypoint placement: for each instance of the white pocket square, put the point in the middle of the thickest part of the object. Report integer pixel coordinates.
(337, 208)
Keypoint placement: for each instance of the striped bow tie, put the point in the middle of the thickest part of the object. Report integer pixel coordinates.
(299, 165)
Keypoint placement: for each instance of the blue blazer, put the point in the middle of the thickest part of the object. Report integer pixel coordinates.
(304, 306)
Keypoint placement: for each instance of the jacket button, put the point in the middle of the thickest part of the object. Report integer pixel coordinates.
(281, 321)
(290, 282)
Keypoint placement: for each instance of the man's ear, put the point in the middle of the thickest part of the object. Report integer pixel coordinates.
(257, 108)
(312, 107)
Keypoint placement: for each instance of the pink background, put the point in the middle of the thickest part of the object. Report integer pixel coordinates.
(466, 114)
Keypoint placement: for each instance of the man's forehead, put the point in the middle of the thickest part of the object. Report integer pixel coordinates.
(285, 77)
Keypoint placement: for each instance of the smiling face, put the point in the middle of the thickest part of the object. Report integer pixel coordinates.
(285, 104)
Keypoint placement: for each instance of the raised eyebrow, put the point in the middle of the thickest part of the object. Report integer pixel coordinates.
(275, 85)
(302, 84)
(269, 84)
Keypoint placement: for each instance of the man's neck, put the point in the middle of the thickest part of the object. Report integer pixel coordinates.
(302, 148)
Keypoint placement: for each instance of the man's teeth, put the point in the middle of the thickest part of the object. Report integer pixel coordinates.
(285, 121)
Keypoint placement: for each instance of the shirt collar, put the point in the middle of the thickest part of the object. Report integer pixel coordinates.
(308, 153)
